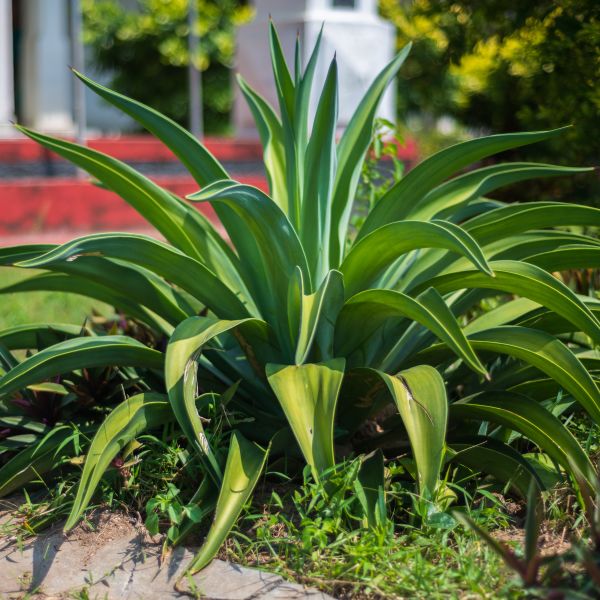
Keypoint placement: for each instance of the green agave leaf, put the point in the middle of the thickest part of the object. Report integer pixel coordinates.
(313, 316)
(366, 315)
(320, 166)
(13, 254)
(477, 183)
(368, 259)
(351, 152)
(526, 280)
(156, 256)
(286, 94)
(39, 335)
(36, 460)
(268, 247)
(304, 87)
(181, 378)
(245, 462)
(80, 353)
(156, 205)
(308, 396)
(396, 204)
(515, 218)
(565, 258)
(128, 420)
(487, 455)
(503, 314)
(420, 395)
(202, 165)
(271, 137)
(522, 414)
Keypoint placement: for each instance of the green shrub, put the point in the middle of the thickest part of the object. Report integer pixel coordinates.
(502, 66)
(293, 340)
(149, 44)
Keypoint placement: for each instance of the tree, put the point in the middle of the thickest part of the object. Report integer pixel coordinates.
(503, 66)
(145, 48)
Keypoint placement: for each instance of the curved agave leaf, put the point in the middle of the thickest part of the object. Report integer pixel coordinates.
(268, 247)
(502, 315)
(245, 462)
(156, 256)
(156, 205)
(39, 335)
(125, 422)
(201, 164)
(477, 183)
(320, 167)
(351, 151)
(522, 414)
(528, 281)
(271, 137)
(515, 218)
(367, 259)
(487, 455)
(367, 314)
(308, 395)
(398, 200)
(181, 378)
(35, 460)
(565, 258)
(80, 353)
(420, 395)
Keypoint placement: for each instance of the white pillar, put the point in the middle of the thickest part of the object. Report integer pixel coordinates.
(363, 41)
(46, 80)
(7, 95)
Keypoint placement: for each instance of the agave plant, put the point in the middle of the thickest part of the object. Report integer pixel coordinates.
(314, 338)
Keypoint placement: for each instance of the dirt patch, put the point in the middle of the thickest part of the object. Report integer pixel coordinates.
(550, 542)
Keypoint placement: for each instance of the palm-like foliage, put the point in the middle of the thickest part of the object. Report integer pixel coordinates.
(323, 332)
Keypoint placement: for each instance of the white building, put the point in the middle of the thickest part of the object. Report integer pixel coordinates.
(36, 86)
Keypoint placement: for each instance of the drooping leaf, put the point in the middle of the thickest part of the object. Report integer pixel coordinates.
(128, 420)
(245, 462)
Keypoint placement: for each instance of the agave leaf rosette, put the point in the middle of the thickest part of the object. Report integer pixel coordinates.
(321, 329)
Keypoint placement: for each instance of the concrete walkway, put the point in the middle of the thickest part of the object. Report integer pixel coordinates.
(116, 561)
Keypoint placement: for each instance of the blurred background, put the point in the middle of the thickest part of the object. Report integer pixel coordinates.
(476, 67)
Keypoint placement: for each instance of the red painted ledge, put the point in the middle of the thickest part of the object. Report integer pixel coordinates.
(28, 207)
(140, 148)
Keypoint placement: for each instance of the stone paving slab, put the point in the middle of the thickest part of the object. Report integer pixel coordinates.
(118, 562)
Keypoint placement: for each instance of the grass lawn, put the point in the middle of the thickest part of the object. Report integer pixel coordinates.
(47, 307)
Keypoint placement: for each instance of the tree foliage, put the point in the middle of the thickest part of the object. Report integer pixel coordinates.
(146, 49)
(502, 65)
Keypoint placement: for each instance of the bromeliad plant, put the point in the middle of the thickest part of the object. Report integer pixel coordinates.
(294, 331)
